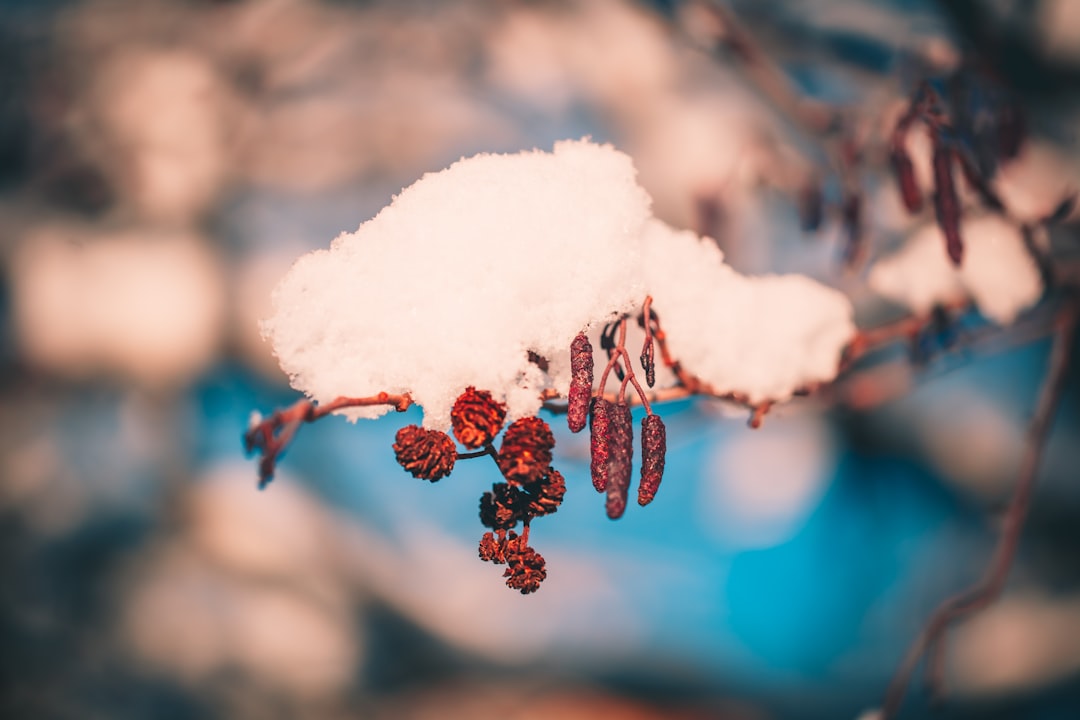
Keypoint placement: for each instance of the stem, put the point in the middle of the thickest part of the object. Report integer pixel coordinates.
(272, 436)
(989, 588)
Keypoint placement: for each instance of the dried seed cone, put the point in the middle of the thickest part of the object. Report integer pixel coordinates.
(581, 382)
(526, 568)
(545, 496)
(525, 454)
(501, 508)
(600, 441)
(620, 460)
(427, 454)
(477, 417)
(653, 450)
(493, 548)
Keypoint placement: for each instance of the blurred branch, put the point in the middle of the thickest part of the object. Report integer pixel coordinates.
(816, 117)
(271, 436)
(930, 641)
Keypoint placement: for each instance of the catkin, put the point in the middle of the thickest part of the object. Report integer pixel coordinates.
(581, 382)
(905, 177)
(946, 202)
(599, 441)
(653, 450)
(620, 459)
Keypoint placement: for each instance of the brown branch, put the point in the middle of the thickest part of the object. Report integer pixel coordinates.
(988, 589)
(271, 436)
(816, 117)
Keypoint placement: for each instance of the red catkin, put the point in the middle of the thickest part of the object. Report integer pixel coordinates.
(581, 382)
(620, 459)
(946, 203)
(653, 451)
(599, 441)
(905, 178)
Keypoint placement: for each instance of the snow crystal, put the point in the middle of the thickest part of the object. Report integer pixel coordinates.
(762, 337)
(465, 272)
(471, 268)
(997, 273)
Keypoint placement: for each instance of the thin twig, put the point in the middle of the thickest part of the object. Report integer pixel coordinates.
(271, 436)
(987, 590)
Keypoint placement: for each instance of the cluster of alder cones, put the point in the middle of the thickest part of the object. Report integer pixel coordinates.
(532, 487)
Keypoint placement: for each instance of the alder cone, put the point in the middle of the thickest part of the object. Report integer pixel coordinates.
(493, 549)
(620, 460)
(501, 508)
(427, 454)
(581, 382)
(525, 454)
(599, 442)
(526, 568)
(476, 417)
(544, 496)
(653, 451)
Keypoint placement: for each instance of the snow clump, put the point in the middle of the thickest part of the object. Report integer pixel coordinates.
(998, 273)
(472, 268)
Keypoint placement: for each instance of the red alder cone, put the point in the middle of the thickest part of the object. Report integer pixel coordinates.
(526, 568)
(653, 450)
(477, 417)
(599, 442)
(501, 508)
(427, 454)
(544, 496)
(493, 548)
(525, 454)
(946, 202)
(620, 459)
(581, 382)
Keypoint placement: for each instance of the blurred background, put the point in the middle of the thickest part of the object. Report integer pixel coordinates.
(163, 162)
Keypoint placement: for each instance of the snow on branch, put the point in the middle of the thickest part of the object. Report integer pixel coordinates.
(473, 273)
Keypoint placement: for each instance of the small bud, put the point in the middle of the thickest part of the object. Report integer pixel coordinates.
(946, 203)
(648, 361)
(581, 382)
(427, 454)
(653, 450)
(525, 454)
(477, 417)
(620, 459)
(599, 441)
